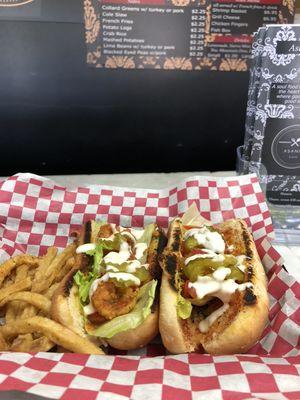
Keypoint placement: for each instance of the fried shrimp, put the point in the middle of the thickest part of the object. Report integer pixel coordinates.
(105, 231)
(111, 301)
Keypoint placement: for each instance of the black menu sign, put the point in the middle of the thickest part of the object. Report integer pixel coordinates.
(177, 34)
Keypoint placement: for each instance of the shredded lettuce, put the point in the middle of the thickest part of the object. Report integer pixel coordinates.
(147, 235)
(131, 320)
(146, 238)
(84, 281)
(98, 255)
(111, 245)
(184, 307)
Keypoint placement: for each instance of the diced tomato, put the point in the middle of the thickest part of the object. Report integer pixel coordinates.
(188, 292)
(192, 252)
(188, 227)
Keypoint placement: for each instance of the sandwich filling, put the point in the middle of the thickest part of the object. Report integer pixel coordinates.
(210, 275)
(117, 291)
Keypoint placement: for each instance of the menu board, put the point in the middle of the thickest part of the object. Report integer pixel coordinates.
(177, 34)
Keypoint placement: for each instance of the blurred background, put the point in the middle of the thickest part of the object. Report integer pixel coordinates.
(58, 116)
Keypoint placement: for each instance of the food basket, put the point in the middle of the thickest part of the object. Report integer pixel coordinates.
(36, 213)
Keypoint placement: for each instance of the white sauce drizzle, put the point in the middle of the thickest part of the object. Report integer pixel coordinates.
(133, 266)
(109, 239)
(119, 276)
(205, 324)
(230, 248)
(89, 309)
(113, 227)
(118, 258)
(216, 286)
(240, 265)
(85, 247)
(209, 240)
(209, 254)
(137, 233)
(111, 268)
(93, 288)
(221, 274)
(128, 234)
(140, 249)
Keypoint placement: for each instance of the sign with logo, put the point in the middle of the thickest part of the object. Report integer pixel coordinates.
(286, 147)
(281, 160)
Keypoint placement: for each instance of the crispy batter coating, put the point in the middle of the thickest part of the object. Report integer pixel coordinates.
(96, 318)
(111, 301)
(105, 231)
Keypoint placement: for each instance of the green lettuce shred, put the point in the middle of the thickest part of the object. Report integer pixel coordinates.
(184, 307)
(134, 318)
(84, 281)
(146, 238)
(147, 234)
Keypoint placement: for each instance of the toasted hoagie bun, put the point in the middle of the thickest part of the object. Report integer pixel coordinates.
(226, 317)
(101, 318)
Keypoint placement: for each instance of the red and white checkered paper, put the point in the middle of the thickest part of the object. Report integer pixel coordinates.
(36, 213)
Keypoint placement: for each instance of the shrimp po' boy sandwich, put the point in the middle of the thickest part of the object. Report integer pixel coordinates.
(111, 296)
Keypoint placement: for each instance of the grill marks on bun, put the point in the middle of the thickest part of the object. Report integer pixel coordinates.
(67, 286)
(242, 323)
